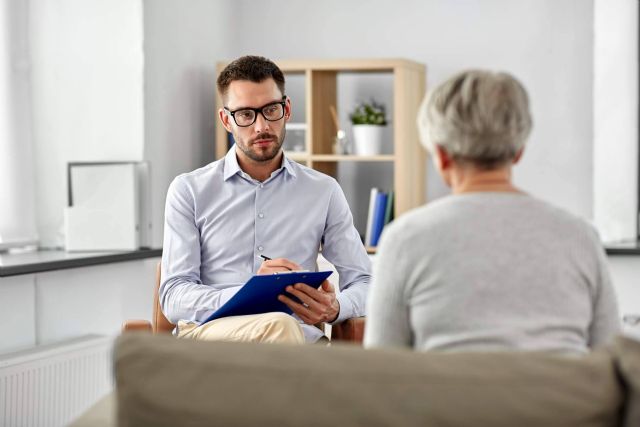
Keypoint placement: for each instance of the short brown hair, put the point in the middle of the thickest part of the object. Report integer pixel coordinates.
(253, 68)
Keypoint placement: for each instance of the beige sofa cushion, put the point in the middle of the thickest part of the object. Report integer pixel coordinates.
(163, 381)
(628, 360)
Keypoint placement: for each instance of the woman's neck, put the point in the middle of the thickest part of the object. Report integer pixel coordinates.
(470, 180)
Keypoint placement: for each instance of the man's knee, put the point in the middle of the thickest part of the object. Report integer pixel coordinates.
(282, 328)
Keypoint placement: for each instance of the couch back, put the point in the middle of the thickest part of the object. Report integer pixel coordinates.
(163, 381)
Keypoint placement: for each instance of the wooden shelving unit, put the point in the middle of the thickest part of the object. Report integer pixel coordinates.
(408, 156)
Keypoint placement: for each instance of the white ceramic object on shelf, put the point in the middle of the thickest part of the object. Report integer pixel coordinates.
(295, 139)
(368, 139)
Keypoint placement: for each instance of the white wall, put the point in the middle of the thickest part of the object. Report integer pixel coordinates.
(92, 300)
(616, 138)
(547, 44)
(17, 305)
(122, 80)
(87, 71)
(17, 216)
(625, 274)
(181, 46)
(54, 306)
(135, 80)
(615, 111)
(146, 91)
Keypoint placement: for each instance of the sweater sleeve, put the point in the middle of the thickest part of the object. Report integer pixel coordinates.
(606, 319)
(388, 312)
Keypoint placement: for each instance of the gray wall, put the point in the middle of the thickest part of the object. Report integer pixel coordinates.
(547, 44)
(143, 87)
(18, 215)
(615, 124)
(87, 94)
(615, 111)
(181, 46)
(122, 80)
(135, 81)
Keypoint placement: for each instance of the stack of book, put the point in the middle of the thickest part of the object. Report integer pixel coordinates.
(380, 214)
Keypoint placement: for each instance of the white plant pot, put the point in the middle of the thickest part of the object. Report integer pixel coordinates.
(368, 139)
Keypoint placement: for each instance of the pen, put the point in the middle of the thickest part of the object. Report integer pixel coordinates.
(266, 258)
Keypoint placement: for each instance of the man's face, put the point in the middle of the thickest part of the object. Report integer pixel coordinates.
(262, 140)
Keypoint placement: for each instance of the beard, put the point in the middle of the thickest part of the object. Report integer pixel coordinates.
(258, 153)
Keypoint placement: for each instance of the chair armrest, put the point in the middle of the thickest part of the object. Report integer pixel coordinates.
(137, 325)
(349, 330)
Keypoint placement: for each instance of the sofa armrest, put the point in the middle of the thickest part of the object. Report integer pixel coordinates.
(349, 330)
(137, 325)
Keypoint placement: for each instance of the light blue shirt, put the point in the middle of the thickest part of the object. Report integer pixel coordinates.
(219, 220)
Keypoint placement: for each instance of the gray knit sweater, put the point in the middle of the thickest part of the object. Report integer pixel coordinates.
(491, 271)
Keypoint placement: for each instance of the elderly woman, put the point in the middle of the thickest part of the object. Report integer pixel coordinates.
(488, 267)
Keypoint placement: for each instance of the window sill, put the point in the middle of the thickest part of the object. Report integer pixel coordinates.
(50, 260)
(631, 247)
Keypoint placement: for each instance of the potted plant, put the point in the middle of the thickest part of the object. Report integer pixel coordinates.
(369, 121)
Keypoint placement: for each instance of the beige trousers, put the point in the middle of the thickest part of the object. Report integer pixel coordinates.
(266, 328)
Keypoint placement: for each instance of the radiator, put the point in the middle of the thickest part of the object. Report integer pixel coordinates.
(52, 385)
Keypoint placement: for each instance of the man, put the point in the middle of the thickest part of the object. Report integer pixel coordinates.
(220, 220)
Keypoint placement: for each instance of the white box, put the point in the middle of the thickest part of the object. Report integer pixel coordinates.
(108, 206)
(295, 139)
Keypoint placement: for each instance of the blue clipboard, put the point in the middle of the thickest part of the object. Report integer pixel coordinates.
(260, 293)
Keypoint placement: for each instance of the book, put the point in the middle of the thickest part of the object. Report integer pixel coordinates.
(260, 293)
(378, 217)
(372, 205)
(388, 215)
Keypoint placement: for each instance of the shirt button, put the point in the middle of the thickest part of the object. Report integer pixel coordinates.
(260, 248)
(260, 215)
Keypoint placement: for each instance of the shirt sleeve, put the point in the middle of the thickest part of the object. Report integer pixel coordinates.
(182, 294)
(342, 247)
(388, 313)
(605, 324)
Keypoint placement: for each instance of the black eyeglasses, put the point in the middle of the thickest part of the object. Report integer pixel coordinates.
(247, 116)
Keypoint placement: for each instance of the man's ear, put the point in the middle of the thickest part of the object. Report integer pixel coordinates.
(287, 109)
(224, 118)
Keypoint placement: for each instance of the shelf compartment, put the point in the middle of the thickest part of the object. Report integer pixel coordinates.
(321, 95)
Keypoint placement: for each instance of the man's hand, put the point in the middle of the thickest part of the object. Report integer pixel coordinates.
(318, 305)
(276, 265)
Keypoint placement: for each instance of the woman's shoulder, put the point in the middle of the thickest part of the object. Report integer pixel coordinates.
(430, 216)
(544, 211)
(478, 208)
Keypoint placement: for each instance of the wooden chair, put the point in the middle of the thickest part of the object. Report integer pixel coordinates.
(349, 330)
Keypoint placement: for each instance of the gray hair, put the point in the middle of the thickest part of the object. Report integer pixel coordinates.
(479, 117)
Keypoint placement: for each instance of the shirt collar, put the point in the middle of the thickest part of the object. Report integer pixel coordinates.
(288, 166)
(231, 166)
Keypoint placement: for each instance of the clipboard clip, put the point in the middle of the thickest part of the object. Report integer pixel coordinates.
(292, 271)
